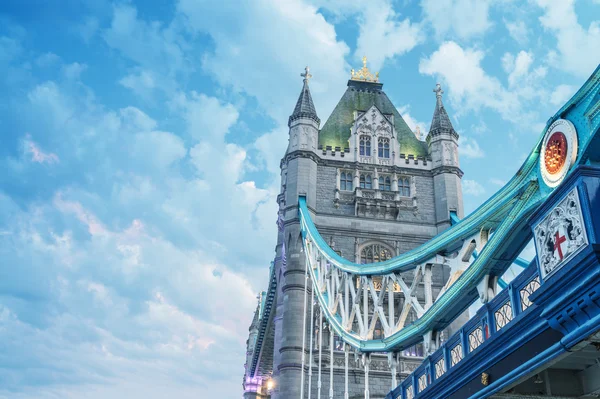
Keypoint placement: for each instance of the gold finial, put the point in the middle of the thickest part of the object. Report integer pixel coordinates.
(306, 75)
(364, 74)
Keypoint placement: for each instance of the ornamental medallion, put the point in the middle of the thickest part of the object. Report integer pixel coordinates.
(560, 235)
(559, 151)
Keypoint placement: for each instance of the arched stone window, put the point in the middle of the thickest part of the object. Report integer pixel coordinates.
(375, 252)
(365, 145)
(366, 181)
(385, 183)
(383, 147)
(346, 181)
(404, 186)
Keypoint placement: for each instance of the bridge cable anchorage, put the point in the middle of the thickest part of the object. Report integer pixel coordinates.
(312, 336)
(304, 330)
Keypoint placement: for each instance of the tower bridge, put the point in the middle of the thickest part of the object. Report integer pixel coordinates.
(381, 288)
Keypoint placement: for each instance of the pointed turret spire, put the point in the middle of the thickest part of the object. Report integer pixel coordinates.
(258, 311)
(440, 122)
(305, 107)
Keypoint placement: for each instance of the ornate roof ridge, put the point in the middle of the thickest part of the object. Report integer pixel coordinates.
(363, 74)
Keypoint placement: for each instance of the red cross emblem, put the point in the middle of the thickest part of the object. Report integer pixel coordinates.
(558, 241)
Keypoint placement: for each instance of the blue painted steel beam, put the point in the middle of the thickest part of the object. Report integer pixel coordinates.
(454, 219)
(521, 262)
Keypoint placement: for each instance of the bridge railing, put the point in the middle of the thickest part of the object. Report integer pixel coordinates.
(491, 320)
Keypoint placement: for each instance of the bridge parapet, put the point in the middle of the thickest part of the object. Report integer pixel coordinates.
(552, 307)
(567, 229)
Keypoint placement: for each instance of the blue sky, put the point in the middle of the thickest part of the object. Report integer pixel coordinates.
(140, 146)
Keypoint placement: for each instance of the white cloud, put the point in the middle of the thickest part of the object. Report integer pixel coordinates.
(111, 325)
(132, 212)
(242, 60)
(468, 147)
(578, 48)
(382, 35)
(461, 69)
(518, 31)
(470, 87)
(73, 71)
(457, 18)
(207, 118)
(480, 128)
(296, 32)
(412, 122)
(136, 119)
(561, 94)
(10, 49)
(158, 149)
(157, 50)
(520, 68)
(508, 62)
(88, 28)
(47, 60)
(472, 187)
(272, 146)
(141, 82)
(37, 155)
(498, 182)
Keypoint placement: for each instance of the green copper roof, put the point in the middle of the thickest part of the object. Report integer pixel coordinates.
(361, 96)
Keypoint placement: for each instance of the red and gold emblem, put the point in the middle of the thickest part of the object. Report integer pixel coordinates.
(559, 151)
(556, 152)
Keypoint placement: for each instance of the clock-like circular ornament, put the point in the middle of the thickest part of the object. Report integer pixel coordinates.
(559, 151)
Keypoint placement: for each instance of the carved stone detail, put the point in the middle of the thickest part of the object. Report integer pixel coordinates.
(560, 235)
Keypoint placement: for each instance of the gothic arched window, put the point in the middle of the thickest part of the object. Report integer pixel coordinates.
(385, 183)
(365, 146)
(366, 181)
(383, 147)
(346, 181)
(404, 186)
(375, 253)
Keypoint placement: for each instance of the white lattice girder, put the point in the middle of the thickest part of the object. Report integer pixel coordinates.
(358, 302)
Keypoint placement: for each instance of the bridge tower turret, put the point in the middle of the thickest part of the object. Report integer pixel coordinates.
(443, 148)
(251, 343)
(298, 177)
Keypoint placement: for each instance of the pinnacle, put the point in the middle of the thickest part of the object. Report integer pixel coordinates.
(441, 121)
(305, 107)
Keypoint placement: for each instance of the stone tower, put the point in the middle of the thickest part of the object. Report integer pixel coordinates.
(299, 174)
(375, 191)
(443, 147)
